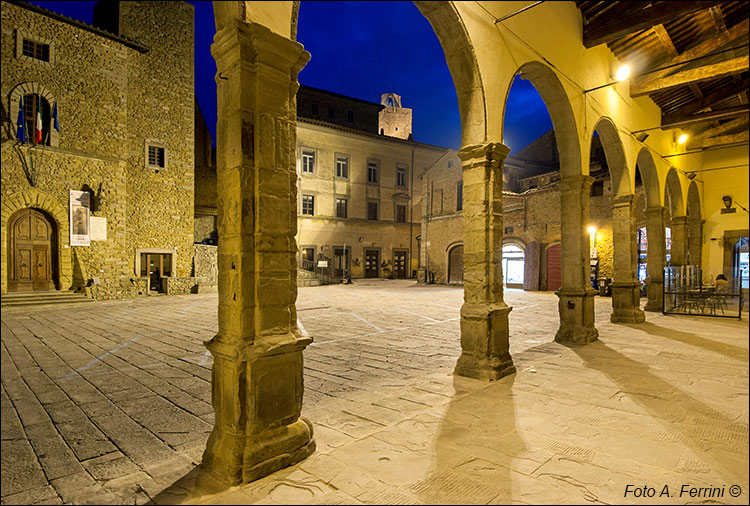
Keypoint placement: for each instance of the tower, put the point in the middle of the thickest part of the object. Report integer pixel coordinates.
(394, 120)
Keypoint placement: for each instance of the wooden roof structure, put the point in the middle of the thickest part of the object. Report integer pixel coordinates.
(690, 58)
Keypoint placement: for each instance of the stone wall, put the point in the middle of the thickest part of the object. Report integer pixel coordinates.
(111, 98)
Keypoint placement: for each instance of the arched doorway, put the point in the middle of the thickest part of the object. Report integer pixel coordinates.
(32, 242)
(513, 266)
(456, 264)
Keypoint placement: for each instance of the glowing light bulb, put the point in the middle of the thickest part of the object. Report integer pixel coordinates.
(623, 72)
(682, 139)
(592, 230)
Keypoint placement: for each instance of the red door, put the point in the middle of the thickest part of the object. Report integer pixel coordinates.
(554, 267)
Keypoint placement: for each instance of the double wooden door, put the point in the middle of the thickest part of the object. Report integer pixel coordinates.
(372, 263)
(30, 255)
(399, 264)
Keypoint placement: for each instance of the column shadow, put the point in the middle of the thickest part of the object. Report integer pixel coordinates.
(665, 402)
(728, 350)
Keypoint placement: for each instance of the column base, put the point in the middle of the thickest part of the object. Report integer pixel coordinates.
(626, 298)
(234, 459)
(484, 342)
(576, 309)
(257, 398)
(655, 291)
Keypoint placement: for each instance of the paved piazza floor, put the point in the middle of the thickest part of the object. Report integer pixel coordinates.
(109, 403)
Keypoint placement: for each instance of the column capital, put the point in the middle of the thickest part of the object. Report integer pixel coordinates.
(241, 43)
(654, 210)
(487, 152)
(679, 220)
(575, 183)
(622, 200)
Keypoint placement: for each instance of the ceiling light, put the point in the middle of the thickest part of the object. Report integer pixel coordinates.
(682, 139)
(622, 73)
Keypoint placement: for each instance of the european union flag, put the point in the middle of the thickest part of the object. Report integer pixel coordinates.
(21, 133)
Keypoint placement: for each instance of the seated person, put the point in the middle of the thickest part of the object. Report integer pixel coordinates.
(721, 283)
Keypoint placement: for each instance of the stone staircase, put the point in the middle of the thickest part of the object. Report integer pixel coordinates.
(306, 278)
(38, 298)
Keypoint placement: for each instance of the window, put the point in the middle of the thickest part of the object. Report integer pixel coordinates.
(36, 108)
(460, 196)
(450, 163)
(308, 161)
(350, 116)
(372, 171)
(341, 205)
(401, 214)
(308, 204)
(597, 189)
(314, 109)
(36, 50)
(401, 176)
(342, 166)
(372, 211)
(156, 157)
(331, 112)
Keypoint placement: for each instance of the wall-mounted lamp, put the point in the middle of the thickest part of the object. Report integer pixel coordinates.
(592, 233)
(622, 73)
(691, 176)
(682, 139)
(641, 137)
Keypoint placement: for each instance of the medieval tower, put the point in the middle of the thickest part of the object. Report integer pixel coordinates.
(394, 120)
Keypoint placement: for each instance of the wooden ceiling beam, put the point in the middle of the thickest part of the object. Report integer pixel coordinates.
(685, 111)
(721, 129)
(707, 116)
(721, 140)
(625, 18)
(668, 45)
(650, 84)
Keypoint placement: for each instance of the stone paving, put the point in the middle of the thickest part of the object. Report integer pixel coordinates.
(109, 403)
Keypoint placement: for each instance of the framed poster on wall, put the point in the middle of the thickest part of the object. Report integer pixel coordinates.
(80, 205)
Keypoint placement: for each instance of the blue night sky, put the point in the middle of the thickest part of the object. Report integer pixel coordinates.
(363, 49)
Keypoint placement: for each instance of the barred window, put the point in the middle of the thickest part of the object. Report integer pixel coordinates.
(156, 157)
(36, 50)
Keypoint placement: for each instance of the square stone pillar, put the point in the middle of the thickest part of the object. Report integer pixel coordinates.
(626, 298)
(694, 241)
(656, 256)
(484, 314)
(576, 304)
(257, 373)
(678, 252)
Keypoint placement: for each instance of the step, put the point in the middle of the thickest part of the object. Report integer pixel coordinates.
(38, 298)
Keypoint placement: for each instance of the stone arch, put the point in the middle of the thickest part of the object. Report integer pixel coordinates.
(650, 178)
(622, 182)
(673, 189)
(694, 225)
(514, 241)
(549, 87)
(37, 199)
(31, 87)
(693, 206)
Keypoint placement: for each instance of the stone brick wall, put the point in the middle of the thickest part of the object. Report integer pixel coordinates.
(205, 263)
(111, 98)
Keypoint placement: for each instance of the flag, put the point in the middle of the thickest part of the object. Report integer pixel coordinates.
(54, 118)
(38, 137)
(21, 133)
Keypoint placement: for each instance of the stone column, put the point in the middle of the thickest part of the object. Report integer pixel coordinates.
(694, 241)
(678, 253)
(484, 315)
(576, 304)
(257, 373)
(656, 257)
(626, 298)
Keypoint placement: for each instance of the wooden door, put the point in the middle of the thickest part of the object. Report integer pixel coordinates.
(399, 264)
(372, 263)
(30, 252)
(554, 267)
(456, 265)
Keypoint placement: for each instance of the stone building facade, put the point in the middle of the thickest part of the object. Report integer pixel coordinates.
(122, 89)
(531, 215)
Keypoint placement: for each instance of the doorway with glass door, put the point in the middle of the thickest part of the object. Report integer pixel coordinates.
(156, 267)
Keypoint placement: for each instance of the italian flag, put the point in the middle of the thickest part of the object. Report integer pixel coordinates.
(38, 138)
